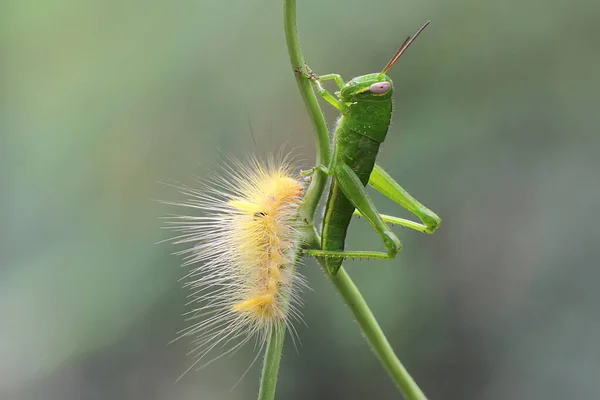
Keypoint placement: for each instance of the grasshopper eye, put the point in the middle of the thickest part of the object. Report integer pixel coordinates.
(380, 87)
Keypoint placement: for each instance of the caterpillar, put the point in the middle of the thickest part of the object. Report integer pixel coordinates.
(243, 250)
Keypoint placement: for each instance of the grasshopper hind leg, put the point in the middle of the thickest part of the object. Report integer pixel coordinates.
(350, 254)
(386, 185)
(353, 189)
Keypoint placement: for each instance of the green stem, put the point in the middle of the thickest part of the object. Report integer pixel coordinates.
(268, 381)
(319, 179)
(313, 194)
(370, 328)
(375, 336)
(346, 288)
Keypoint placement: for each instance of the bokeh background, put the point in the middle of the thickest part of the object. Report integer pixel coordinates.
(495, 128)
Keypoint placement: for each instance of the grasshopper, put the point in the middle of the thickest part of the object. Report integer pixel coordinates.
(365, 104)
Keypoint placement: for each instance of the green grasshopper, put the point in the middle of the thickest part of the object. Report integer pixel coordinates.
(365, 103)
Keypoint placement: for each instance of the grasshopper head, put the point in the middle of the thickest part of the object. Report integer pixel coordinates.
(374, 87)
(371, 87)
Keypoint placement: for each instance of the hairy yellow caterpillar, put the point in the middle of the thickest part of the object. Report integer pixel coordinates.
(243, 250)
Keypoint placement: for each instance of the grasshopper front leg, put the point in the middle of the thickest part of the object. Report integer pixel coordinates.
(316, 80)
(339, 81)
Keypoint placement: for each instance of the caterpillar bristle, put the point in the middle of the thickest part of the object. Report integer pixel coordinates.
(243, 250)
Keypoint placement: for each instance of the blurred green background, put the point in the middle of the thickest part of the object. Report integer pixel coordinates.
(495, 128)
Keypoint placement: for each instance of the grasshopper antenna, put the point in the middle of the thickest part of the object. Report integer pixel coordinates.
(403, 48)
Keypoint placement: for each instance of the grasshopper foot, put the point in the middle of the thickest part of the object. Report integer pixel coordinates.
(306, 72)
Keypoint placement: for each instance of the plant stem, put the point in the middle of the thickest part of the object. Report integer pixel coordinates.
(306, 212)
(344, 285)
(370, 328)
(375, 336)
(319, 179)
(268, 382)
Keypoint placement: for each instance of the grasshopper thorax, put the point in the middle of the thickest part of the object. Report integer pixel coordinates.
(370, 87)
